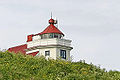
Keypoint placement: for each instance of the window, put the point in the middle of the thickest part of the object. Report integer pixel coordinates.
(51, 35)
(47, 53)
(55, 35)
(63, 54)
(45, 36)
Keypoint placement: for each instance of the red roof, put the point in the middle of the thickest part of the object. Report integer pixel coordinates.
(21, 49)
(51, 29)
(17, 49)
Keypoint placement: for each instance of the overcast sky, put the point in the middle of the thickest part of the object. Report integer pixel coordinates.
(92, 25)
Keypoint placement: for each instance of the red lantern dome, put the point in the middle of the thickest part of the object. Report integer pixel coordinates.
(51, 21)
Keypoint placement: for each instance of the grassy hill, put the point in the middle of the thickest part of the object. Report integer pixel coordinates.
(19, 67)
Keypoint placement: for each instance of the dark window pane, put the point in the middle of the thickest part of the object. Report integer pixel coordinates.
(51, 35)
(47, 53)
(63, 54)
(55, 35)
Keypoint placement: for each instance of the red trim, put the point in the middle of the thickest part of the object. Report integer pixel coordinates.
(33, 54)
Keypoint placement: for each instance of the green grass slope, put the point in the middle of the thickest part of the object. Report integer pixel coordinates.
(19, 67)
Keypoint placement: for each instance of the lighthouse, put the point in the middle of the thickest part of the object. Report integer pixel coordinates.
(49, 43)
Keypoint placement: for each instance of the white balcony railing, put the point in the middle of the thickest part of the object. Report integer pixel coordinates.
(53, 41)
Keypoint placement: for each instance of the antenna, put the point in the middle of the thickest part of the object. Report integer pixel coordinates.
(56, 22)
(57, 25)
(51, 15)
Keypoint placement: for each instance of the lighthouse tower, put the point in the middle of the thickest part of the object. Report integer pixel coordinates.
(49, 43)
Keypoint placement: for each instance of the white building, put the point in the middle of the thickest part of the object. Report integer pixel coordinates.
(49, 43)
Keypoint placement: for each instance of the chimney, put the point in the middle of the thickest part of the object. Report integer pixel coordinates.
(29, 38)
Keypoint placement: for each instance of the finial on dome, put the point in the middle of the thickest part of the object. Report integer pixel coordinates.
(51, 21)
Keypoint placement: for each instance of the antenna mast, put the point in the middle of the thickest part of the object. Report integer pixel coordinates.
(56, 22)
(51, 15)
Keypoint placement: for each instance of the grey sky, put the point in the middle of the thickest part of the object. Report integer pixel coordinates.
(93, 25)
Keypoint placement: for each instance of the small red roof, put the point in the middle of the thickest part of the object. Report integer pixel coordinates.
(17, 49)
(51, 29)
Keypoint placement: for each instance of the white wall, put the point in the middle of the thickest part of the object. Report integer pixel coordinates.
(52, 52)
(36, 37)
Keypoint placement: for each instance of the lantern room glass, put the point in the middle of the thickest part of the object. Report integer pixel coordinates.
(51, 35)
